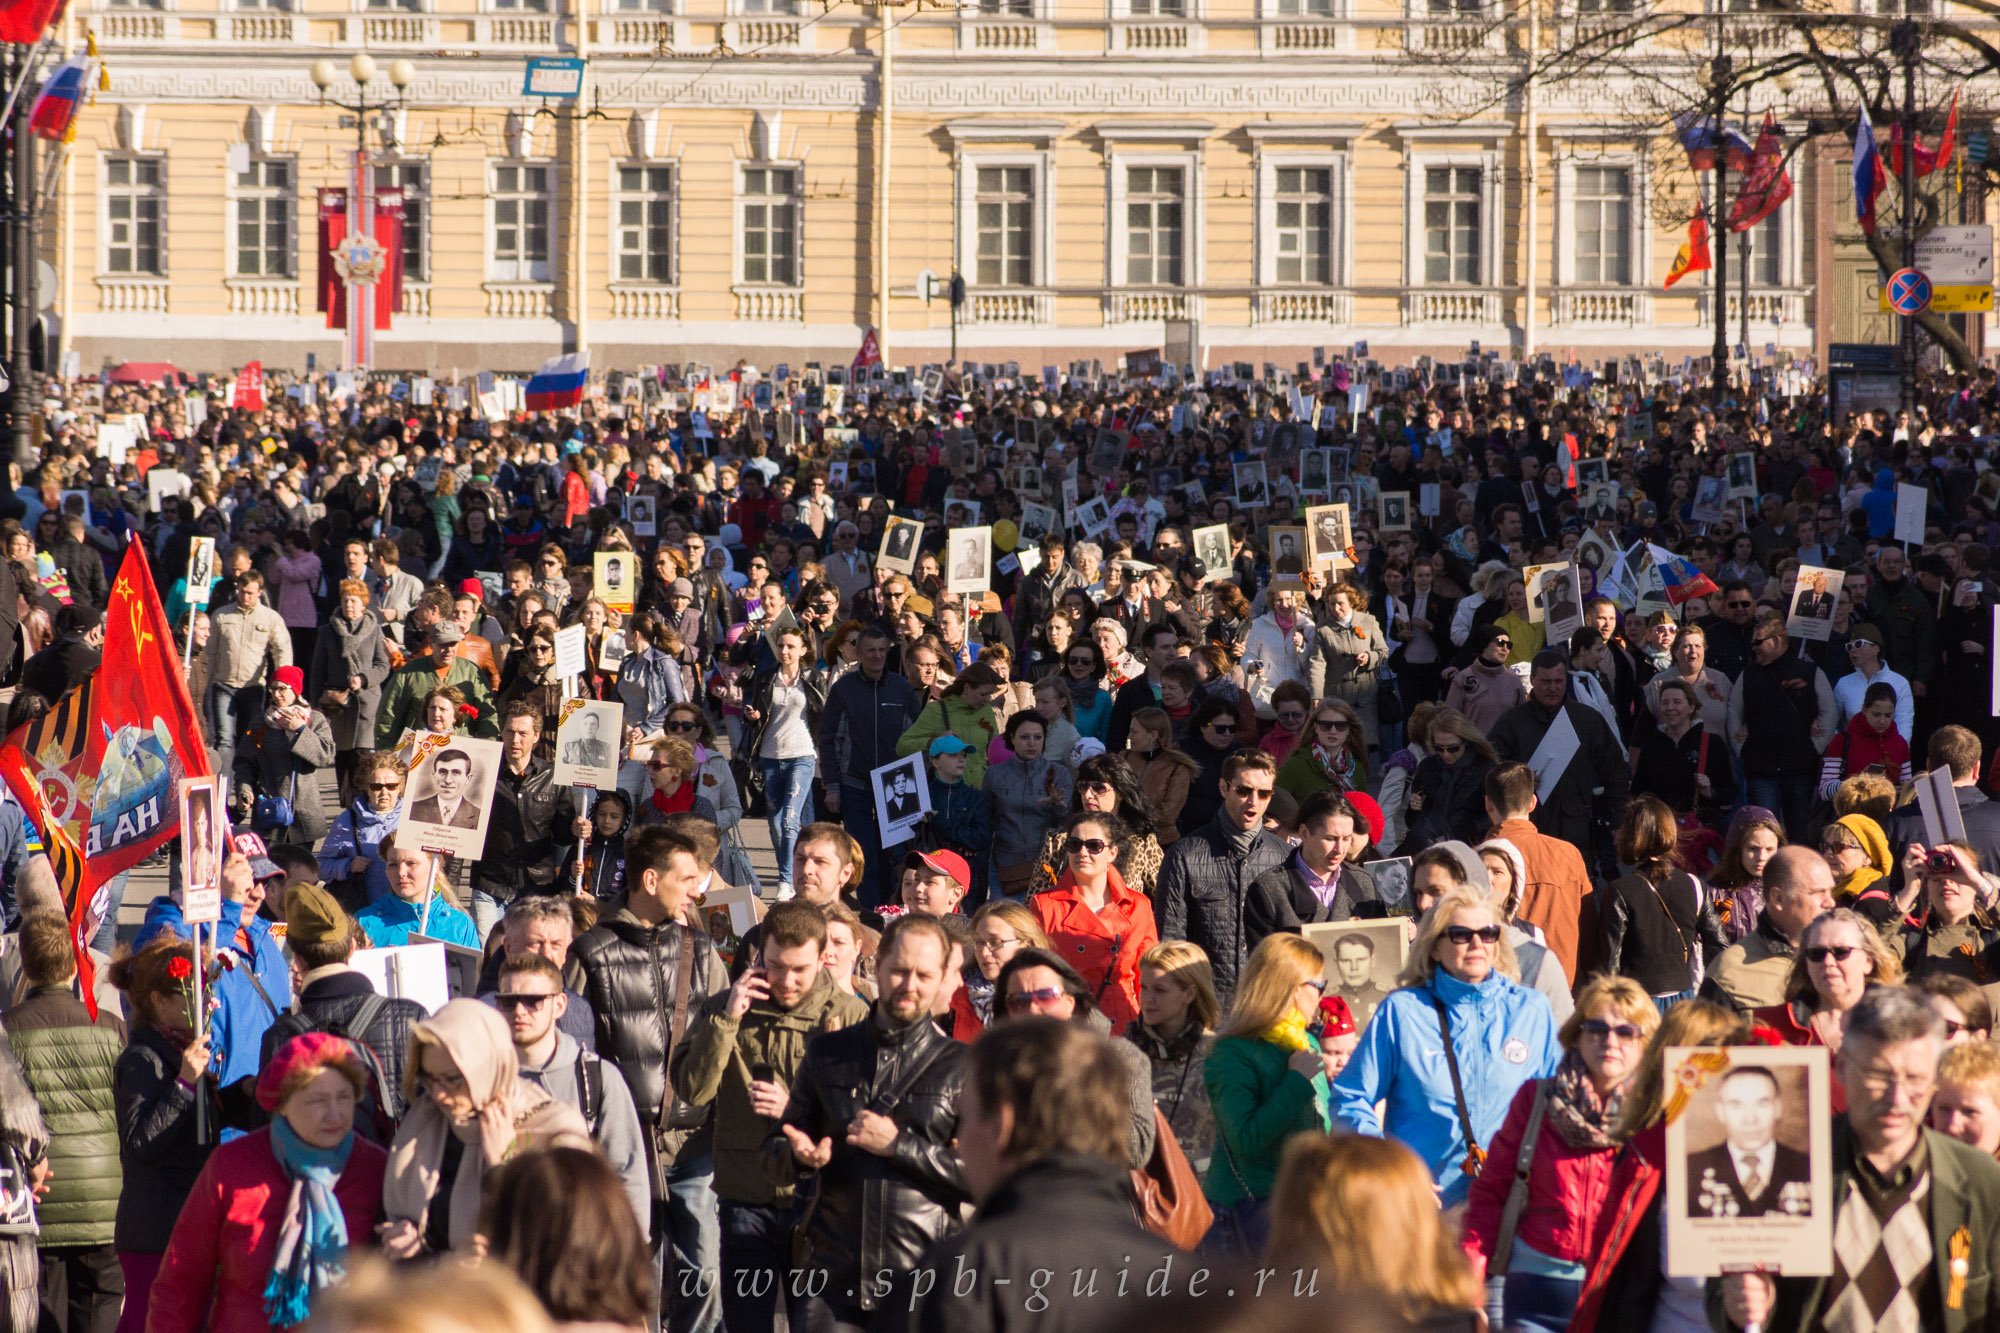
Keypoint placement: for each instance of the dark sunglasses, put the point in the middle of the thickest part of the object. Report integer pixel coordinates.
(1083, 661)
(521, 1001)
(1739, 606)
(684, 726)
(384, 786)
(1839, 953)
(1094, 846)
(1503, 643)
(1448, 750)
(658, 765)
(1024, 1000)
(1337, 724)
(1464, 935)
(1597, 1027)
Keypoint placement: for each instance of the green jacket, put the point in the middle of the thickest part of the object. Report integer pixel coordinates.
(68, 1061)
(953, 716)
(714, 1065)
(1965, 1193)
(404, 694)
(1258, 1103)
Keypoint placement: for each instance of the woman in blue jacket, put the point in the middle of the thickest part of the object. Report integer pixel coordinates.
(390, 921)
(1500, 1033)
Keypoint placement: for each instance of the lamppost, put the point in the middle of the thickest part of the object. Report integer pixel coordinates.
(359, 258)
(1904, 42)
(1717, 75)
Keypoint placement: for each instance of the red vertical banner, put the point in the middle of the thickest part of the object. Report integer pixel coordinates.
(389, 231)
(332, 231)
(249, 392)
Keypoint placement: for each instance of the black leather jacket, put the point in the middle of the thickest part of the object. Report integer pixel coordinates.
(868, 1214)
(631, 974)
(528, 834)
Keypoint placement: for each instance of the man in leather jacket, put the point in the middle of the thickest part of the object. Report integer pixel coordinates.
(646, 975)
(874, 1110)
(532, 826)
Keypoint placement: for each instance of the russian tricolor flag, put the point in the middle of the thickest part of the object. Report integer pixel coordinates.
(56, 105)
(559, 383)
(1869, 177)
(1704, 138)
(1678, 576)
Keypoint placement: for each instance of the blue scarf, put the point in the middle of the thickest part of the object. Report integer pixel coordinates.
(312, 1243)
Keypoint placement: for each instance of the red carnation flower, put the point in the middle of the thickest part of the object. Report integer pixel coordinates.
(179, 969)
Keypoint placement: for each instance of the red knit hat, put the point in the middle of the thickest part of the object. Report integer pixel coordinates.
(298, 1060)
(290, 677)
(1365, 806)
(1336, 1019)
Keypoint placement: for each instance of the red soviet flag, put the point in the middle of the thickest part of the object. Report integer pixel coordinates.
(249, 394)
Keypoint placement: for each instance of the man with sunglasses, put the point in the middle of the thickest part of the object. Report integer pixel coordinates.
(1729, 628)
(532, 1000)
(1209, 872)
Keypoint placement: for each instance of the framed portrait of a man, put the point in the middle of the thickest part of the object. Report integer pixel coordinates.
(969, 560)
(899, 545)
(639, 512)
(1711, 499)
(1363, 960)
(1392, 511)
(1813, 601)
(1749, 1179)
(1252, 490)
(1211, 547)
(616, 578)
(587, 744)
(200, 570)
(448, 799)
(1288, 550)
(1329, 533)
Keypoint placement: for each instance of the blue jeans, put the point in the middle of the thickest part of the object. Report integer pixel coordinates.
(1789, 798)
(756, 1263)
(486, 911)
(687, 1246)
(1540, 1304)
(230, 711)
(788, 791)
(857, 816)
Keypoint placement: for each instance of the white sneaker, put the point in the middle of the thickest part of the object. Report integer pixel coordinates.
(785, 893)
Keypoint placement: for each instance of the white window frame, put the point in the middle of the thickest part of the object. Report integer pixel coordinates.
(798, 170)
(1416, 163)
(1338, 164)
(1192, 11)
(1639, 230)
(619, 195)
(1188, 161)
(429, 216)
(553, 225)
(290, 194)
(104, 215)
(1043, 227)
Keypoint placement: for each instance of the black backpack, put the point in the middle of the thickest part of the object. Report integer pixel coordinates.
(381, 1106)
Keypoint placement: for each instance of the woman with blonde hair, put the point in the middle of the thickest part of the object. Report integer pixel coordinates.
(1175, 1028)
(1541, 1256)
(671, 765)
(1001, 928)
(470, 1112)
(1265, 1083)
(1624, 1284)
(1349, 655)
(1457, 996)
(1332, 755)
(1360, 1212)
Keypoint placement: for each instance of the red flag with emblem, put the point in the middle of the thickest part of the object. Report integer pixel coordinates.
(249, 394)
(100, 771)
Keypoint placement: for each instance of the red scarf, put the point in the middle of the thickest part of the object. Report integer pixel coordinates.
(681, 801)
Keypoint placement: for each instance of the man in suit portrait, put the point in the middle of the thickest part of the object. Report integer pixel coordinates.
(1285, 559)
(1750, 1173)
(1815, 603)
(1354, 968)
(451, 779)
(587, 750)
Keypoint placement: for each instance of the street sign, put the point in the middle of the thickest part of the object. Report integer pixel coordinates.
(553, 76)
(1908, 292)
(1957, 256)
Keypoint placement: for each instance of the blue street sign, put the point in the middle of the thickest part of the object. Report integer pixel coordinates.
(1909, 292)
(553, 76)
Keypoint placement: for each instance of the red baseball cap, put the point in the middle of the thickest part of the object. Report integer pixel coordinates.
(945, 863)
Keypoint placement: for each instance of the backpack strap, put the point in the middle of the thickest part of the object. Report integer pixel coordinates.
(590, 1087)
(1517, 1194)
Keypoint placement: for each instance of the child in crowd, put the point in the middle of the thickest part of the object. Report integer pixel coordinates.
(1966, 1105)
(958, 819)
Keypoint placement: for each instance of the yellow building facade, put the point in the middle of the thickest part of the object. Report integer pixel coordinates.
(1278, 172)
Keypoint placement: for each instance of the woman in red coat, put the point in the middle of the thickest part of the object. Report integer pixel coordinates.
(272, 1216)
(1570, 1172)
(1094, 922)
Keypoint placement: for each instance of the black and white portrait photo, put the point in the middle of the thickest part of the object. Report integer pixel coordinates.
(902, 798)
(1313, 470)
(1711, 499)
(1749, 1175)
(1251, 490)
(899, 545)
(616, 578)
(639, 511)
(587, 745)
(1211, 547)
(449, 796)
(1393, 511)
(1363, 959)
(1331, 533)
(1037, 520)
(969, 560)
(1743, 476)
(1392, 880)
(201, 570)
(1288, 546)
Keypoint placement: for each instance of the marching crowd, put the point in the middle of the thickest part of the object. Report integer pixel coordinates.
(1066, 1054)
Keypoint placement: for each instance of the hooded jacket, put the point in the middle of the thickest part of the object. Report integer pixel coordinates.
(1503, 1034)
(616, 1126)
(1880, 505)
(723, 1054)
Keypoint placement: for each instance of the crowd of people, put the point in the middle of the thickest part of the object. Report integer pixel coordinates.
(1074, 1039)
